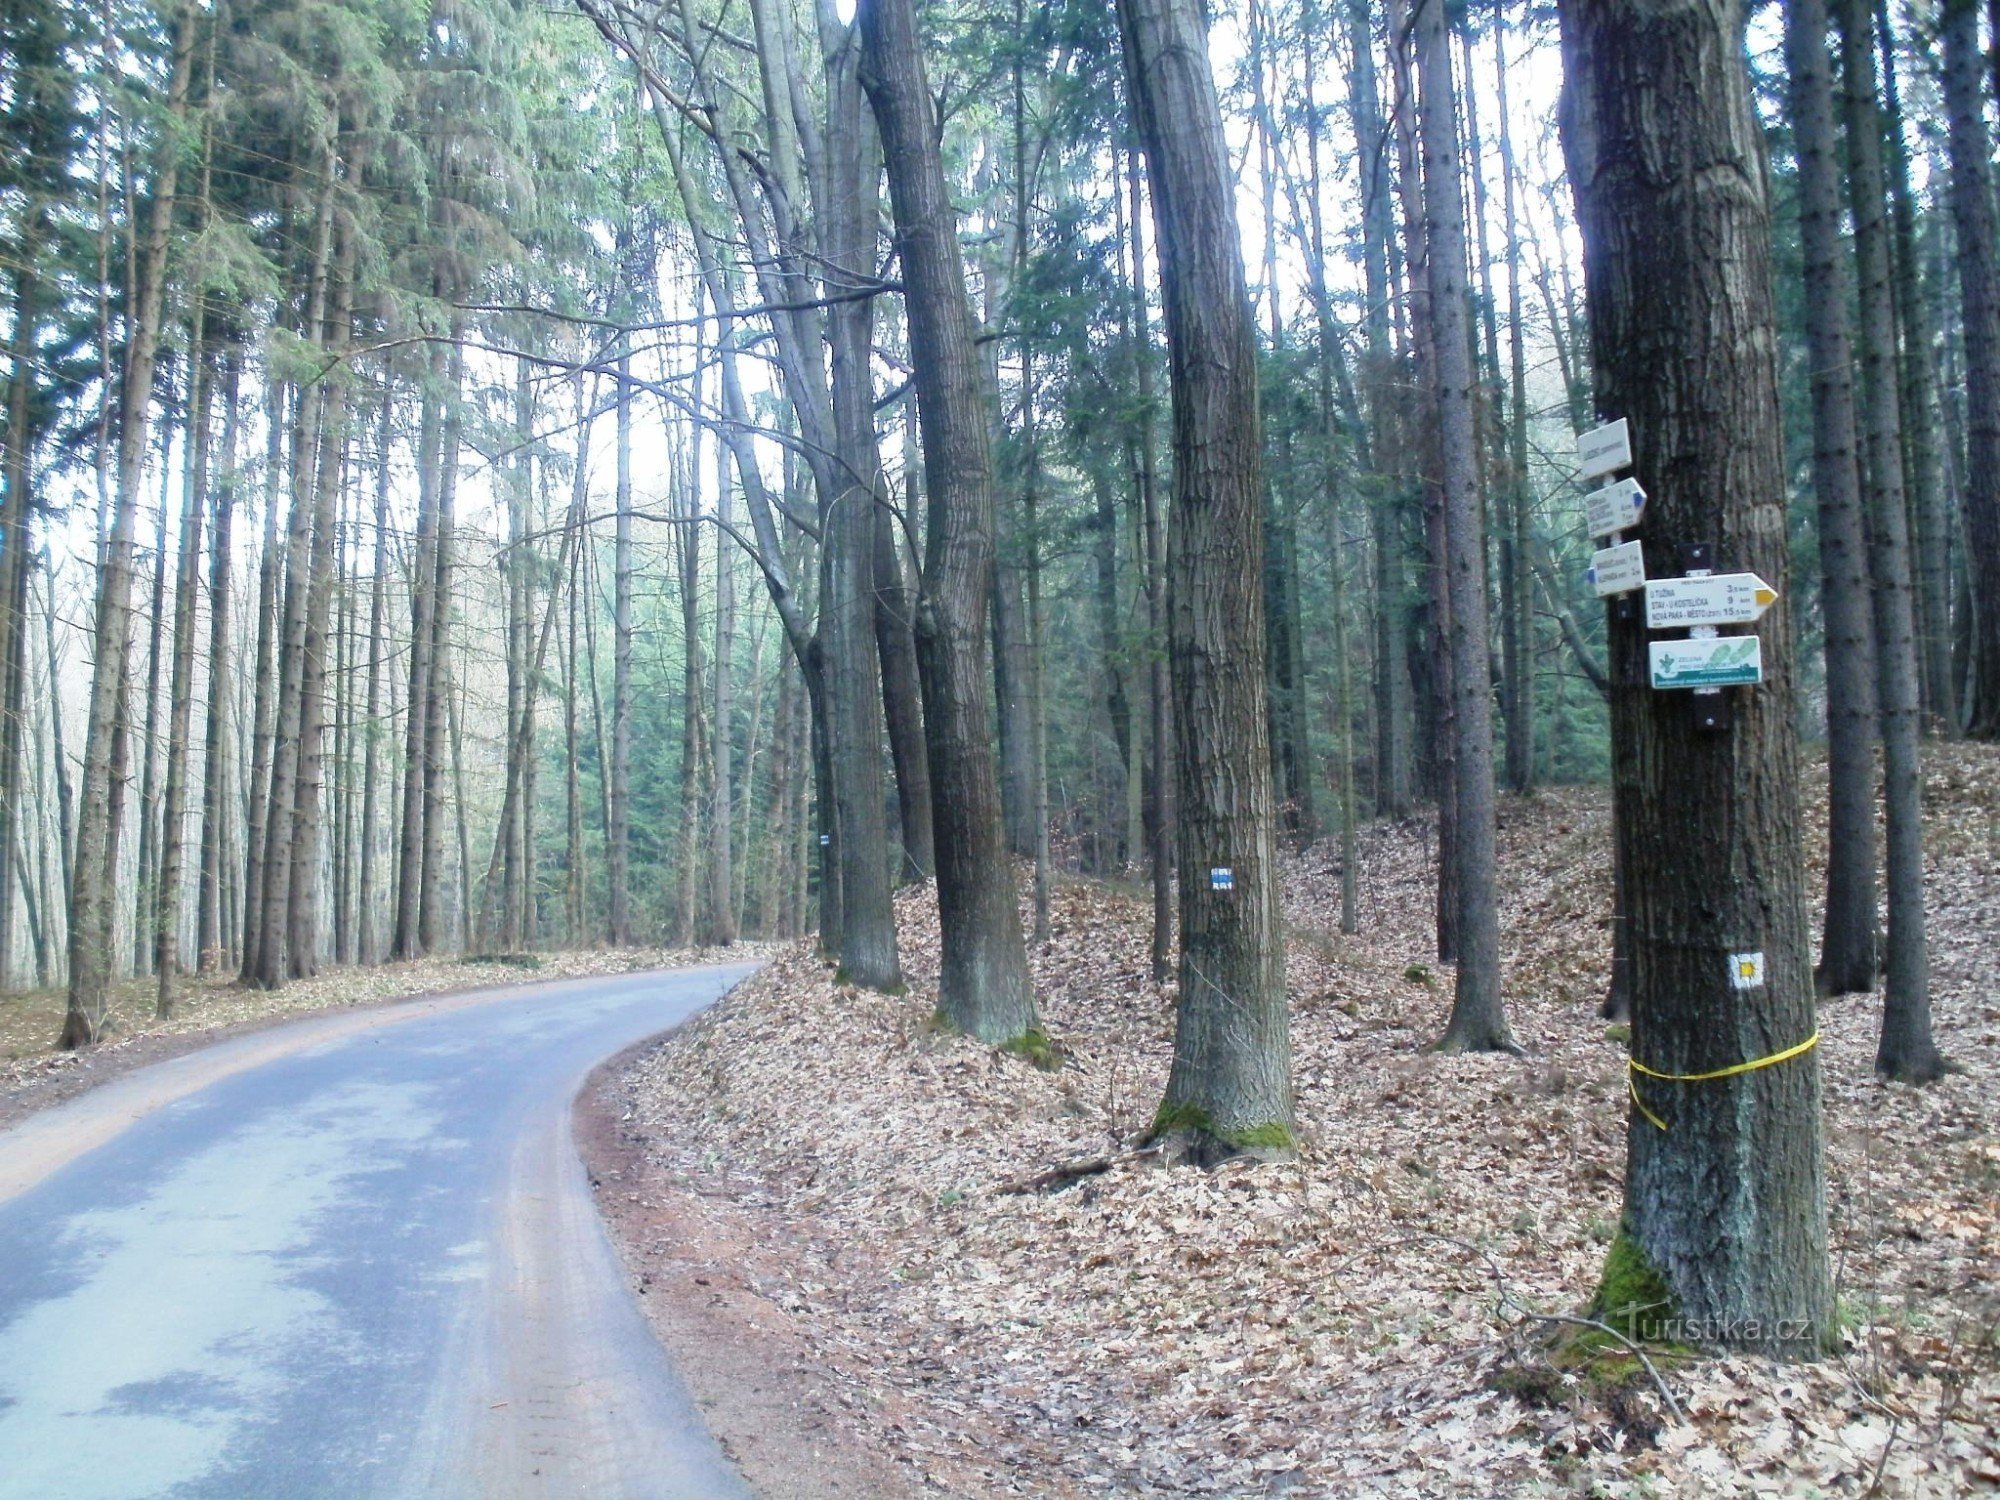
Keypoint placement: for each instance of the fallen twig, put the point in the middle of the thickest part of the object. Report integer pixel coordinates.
(1070, 1171)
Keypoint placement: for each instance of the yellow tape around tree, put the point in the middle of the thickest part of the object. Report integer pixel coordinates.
(1730, 1072)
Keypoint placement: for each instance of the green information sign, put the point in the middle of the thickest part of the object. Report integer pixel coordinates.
(1724, 661)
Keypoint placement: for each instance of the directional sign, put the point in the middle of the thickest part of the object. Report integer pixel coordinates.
(1616, 507)
(1718, 599)
(1618, 570)
(1603, 450)
(1722, 661)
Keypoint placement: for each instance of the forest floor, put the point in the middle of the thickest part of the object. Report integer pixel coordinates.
(821, 1169)
(35, 1073)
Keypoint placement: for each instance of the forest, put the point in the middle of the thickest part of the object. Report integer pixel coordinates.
(484, 479)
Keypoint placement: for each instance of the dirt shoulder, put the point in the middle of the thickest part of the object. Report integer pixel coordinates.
(710, 1281)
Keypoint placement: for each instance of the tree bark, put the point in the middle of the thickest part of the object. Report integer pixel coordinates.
(165, 924)
(1478, 1022)
(216, 760)
(618, 858)
(1923, 455)
(1979, 285)
(848, 599)
(1847, 948)
(90, 928)
(983, 986)
(1907, 1051)
(1230, 1087)
(1727, 1203)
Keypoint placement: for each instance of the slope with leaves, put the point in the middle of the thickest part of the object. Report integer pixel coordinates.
(1361, 1320)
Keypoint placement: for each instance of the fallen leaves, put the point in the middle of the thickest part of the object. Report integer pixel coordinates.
(1330, 1326)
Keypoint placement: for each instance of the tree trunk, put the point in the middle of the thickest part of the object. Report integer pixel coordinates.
(165, 925)
(1230, 1087)
(1979, 285)
(1432, 667)
(983, 986)
(1847, 948)
(1391, 683)
(618, 858)
(1726, 1204)
(408, 942)
(263, 712)
(1478, 1022)
(1160, 696)
(440, 716)
(266, 962)
(848, 600)
(896, 642)
(144, 889)
(216, 761)
(1923, 456)
(1520, 493)
(302, 940)
(91, 924)
(1907, 1052)
(371, 732)
(718, 927)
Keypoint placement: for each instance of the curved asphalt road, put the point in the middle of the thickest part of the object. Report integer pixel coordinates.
(353, 1256)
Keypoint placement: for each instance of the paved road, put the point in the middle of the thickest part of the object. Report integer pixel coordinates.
(355, 1256)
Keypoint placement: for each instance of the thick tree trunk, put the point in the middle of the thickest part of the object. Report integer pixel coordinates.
(983, 986)
(1847, 948)
(1726, 1202)
(1230, 1086)
(1979, 284)
(91, 924)
(1478, 1022)
(848, 602)
(1907, 1051)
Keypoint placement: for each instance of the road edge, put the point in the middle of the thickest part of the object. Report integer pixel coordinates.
(784, 1416)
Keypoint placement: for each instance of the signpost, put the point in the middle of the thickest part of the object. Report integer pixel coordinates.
(1716, 662)
(1718, 599)
(1618, 570)
(1615, 508)
(1604, 450)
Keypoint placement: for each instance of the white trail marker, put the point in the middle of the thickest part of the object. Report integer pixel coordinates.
(1719, 599)
(1618, 570)
(1617, 507)
(1604, 450)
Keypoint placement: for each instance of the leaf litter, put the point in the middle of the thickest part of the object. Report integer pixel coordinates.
(1336, 1324)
